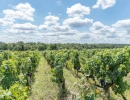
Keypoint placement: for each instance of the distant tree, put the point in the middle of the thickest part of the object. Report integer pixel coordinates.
(41, 47)
(52, 47)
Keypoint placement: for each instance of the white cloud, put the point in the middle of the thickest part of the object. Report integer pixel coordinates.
(51, 20)
(25, 28)
(5, 22)
(25, 8)
(123, 25)
(97, 25)
(18, 31)
(101, 30)
(104, 4)
(51, 31)
(21, 11)
(77, 22)
(61, 28)
(67, 33)
(117, 33)
(43, 27)
(19, 37)
(56, 30)
(50, 23)
(85, 36)
(50, 34)
(78, 10)
(2, 22)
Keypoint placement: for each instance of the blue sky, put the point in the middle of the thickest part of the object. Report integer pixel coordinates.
(65, 21)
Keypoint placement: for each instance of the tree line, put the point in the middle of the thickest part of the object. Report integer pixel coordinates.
(21, 46)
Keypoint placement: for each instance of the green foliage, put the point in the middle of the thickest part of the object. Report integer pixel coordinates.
(76, 62)
(57, 62)
(14, 70)
(15, 92)
(21, 46)
(107, 68)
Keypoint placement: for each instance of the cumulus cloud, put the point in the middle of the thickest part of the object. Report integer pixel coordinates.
(78, 10)
(43, 27)
(67, 33)
(104, 4)
(51, 20)
(77, 22)
(2, 22)
(50, 34)
(51, 31)
(85, 36)
(57, 30)
(123, 25)
(5, 22)
(25, 26)
(61, 28)
(99, 29)
(51, 24)
(117, 32)
(97, 25)
(21, 28)
(17, 31)
(21, 11)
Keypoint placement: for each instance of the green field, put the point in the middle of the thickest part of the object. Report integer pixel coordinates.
(97, 74)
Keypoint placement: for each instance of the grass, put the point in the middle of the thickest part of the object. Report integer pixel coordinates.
(127, 93)
(43, 88)
(70, 80)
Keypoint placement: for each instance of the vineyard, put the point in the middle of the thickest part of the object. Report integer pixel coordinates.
(101, 74)
(99, 71)
(16, 73)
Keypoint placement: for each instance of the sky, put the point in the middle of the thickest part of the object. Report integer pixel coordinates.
(65, 21)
